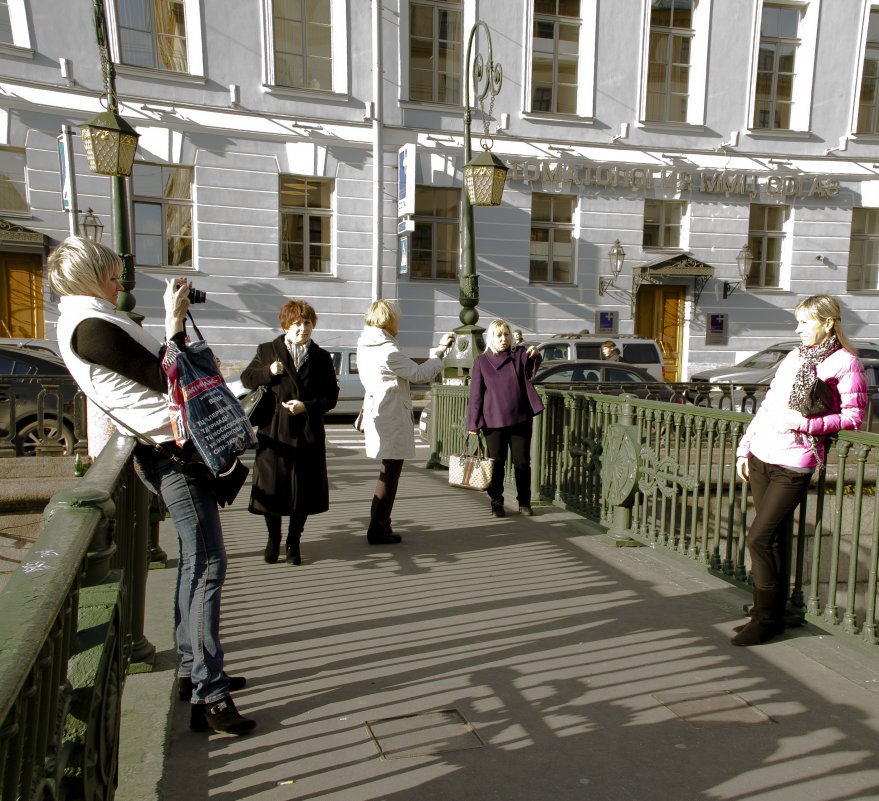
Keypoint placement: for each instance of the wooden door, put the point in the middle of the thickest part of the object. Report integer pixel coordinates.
(21, 296)
(659, 315)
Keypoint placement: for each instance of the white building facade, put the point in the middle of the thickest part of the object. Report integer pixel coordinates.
(684, 129)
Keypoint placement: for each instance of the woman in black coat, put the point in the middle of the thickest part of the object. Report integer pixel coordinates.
(290, 470)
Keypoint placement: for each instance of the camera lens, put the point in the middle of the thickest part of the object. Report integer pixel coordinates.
(197, 295)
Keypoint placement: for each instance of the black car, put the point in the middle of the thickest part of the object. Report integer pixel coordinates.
(24, 374)
(612, 378)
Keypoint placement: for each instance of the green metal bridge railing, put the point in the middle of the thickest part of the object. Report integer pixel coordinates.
(663, 475)
(71, 621)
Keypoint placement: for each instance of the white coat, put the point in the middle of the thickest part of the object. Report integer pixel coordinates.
(385, 373)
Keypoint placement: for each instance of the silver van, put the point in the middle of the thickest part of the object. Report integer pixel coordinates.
(634, 350)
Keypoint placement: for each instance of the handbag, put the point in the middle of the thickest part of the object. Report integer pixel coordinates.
(471, 471)
(822, 398)
(202, 408)
(257, 407)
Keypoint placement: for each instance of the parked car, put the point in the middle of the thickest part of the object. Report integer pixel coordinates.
(49, 346)
(21, 369)
(611, 378)
(644, 353)
(350, 388)
(761, 367)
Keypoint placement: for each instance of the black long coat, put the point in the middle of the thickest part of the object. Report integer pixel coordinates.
(290, 469)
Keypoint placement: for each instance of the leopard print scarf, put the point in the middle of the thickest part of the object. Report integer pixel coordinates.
(804, 380)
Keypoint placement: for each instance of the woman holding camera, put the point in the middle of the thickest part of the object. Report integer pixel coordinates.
(117, 364)
(784, 444)
(290, 469)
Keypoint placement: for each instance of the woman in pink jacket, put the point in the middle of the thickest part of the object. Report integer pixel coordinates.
(781, 449)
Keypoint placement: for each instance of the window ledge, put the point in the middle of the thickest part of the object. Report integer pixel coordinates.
(153, 269)
(550, 283)
(305, 94)
(164, 76)
(13, 50)
(431, 105)
(652, 126)
(555, 119)
(768, 290)
(286, 274)
(777, 133)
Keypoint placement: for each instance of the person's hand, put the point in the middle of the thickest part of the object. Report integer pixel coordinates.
(447, 341)
(176, 300)
(532, 352)
(276, 368)
(743, 469)
(474, 433)
(294, 406)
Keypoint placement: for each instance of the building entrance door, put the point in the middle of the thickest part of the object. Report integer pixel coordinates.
(659, 315)
(21, 296)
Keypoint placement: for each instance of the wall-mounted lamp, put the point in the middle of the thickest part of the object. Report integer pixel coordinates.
(744, 259)
(234, 95)
(91, 226)
(616, 256)
(66, 66)
(623, 134)
(733, 141)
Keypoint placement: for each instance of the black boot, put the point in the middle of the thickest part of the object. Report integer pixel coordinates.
(273, 549)
(293, 555)
(766, 623)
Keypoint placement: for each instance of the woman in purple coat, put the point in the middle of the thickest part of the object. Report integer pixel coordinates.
(503, 403)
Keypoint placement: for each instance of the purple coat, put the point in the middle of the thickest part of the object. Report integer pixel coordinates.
(501, 392)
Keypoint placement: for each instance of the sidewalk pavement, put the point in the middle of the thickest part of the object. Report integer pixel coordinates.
(523, 659)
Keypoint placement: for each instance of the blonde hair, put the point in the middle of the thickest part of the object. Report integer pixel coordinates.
(825, 307)
(383, 314)
(79, 266)
(492, 335)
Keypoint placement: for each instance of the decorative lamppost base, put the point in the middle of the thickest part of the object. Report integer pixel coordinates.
(458, 363)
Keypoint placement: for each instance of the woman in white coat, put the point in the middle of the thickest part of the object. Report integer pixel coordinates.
(385, 373)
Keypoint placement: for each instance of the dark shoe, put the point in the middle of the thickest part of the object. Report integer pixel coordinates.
(273, 549)
(742, 627)
(293, 555)
(526, 511)
(222, 716)
(497, 509)
(185, 686)
(755, 633)
(381, 538)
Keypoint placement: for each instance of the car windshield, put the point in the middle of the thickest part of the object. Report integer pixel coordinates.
(764, 359)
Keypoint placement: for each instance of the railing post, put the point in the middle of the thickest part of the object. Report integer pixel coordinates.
(620, 463)
(142, 650)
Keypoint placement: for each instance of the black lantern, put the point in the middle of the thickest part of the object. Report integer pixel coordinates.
(744, 259)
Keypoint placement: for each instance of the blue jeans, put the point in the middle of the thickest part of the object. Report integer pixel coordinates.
(201, 569)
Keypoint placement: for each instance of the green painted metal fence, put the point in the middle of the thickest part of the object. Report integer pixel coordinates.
(71, 620)
(663, 475)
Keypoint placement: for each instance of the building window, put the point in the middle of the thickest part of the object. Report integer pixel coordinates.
(152, 34)
(863, 257)
(554, 56)
(766, 238)
(775, 66)
(303, 43)
(435, 44)
(868, 105)
(662, 223)
(162, 215)
(552, 238)
(435, 242)
(306, 225)
(668, 68)
(13, 187)
(5, 24)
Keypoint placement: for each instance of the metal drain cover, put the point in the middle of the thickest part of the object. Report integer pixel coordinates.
(713, 708)
(423, 733)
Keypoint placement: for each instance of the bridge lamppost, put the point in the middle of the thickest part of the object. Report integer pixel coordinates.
(110, 144)
(484, 178)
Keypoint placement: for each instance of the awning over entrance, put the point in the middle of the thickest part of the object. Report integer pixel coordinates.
(674, 265)
(17, 237)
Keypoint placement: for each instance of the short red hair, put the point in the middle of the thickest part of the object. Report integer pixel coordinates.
(295, 310)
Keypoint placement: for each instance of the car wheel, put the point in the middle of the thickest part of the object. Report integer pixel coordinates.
(29, 437)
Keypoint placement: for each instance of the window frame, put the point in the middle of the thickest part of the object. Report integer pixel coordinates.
(672, 31)
(804, 67)
(436, 6)
(163, 203)
(338, 49)
(195, 56)
(758, 238)
(552, 226)
(586, 63)
(851, 286)
(664, 205)
(16, 181)
(19, 29)
(307, 212)
(865, 49)
(432, 221)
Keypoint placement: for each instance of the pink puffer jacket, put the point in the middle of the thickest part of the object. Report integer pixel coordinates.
(771, 443)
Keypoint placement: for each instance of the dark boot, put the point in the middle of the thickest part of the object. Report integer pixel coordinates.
(273, 549)
(293, 557)
(497, 508)
(766, 623)
(222, 716)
